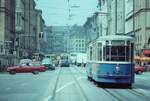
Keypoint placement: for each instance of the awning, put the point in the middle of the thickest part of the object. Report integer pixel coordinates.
(145, 59)
(137, 58)
(146, 51)
(142, 59)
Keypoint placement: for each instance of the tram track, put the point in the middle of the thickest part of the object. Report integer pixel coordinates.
(143, 96)
(112, 94)
(106, 90)
(80, 87)
(55, 87)
(121, 96)
(77, 68)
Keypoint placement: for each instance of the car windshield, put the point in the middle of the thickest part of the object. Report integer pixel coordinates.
(26, 64)
(24, 61)
(46, 61)
(36, 64)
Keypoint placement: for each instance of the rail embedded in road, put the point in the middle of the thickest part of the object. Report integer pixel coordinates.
(80, 87)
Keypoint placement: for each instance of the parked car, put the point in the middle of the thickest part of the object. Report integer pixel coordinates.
(140, 69)
(28, 67)
(39, 65)
(47, 62)
(148, 67)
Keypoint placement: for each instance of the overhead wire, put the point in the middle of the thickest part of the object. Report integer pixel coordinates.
(69, 9)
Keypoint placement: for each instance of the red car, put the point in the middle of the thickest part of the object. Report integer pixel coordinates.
(139, 69)
(33, 67)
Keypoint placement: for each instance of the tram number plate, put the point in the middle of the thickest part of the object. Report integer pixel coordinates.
(117, 75)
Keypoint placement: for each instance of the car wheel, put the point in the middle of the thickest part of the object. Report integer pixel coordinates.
(89, 78)
(139, 72)
(36, 72)
(12, 72)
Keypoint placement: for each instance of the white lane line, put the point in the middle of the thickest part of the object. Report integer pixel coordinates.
(142, 91)
(8, 88)
(66, 85)
(47, 98)
(24, 84)
(79, 69)
(49, 88)
(82, 77)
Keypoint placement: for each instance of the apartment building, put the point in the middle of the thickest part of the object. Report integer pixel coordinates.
(138, 23)
(7, 31)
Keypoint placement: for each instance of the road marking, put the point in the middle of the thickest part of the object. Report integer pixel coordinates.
(66, 85)
(142, 90)
(47, 98)
(80, 69)
(24, 84)
(82, 77)
(49, 88)
(8, 88)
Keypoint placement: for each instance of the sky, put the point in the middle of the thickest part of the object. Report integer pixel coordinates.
(56, 12)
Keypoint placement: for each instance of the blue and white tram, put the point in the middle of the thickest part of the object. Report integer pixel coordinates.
(110, 60)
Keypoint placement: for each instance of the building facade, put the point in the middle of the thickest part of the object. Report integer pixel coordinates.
(56, 39)
(112, 15)
(102, 17)
(122, 17)
(19, 27)
(7, 31)
(117, 17)
(29, 26)
(77, 40)
(91, 28)
(138, 23)
(40, 36)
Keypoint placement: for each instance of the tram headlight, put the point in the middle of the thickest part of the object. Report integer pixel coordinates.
(117, 68)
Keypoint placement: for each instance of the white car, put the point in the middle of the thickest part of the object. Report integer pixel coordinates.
(47, 62)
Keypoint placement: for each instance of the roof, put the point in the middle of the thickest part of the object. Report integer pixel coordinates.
(23, 61)
(115, 37)
(112, 37)
(60, 28)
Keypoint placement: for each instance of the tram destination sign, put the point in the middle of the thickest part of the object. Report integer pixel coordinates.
(117, 43)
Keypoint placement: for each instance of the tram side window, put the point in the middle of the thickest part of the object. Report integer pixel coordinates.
(132, 51)
(90, 53)
(127, 54)
(106, 53)
(99, 51)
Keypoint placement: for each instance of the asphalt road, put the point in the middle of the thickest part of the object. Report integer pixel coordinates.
(68, 84)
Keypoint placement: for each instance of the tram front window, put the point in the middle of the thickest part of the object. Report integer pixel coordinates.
(117, 53)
